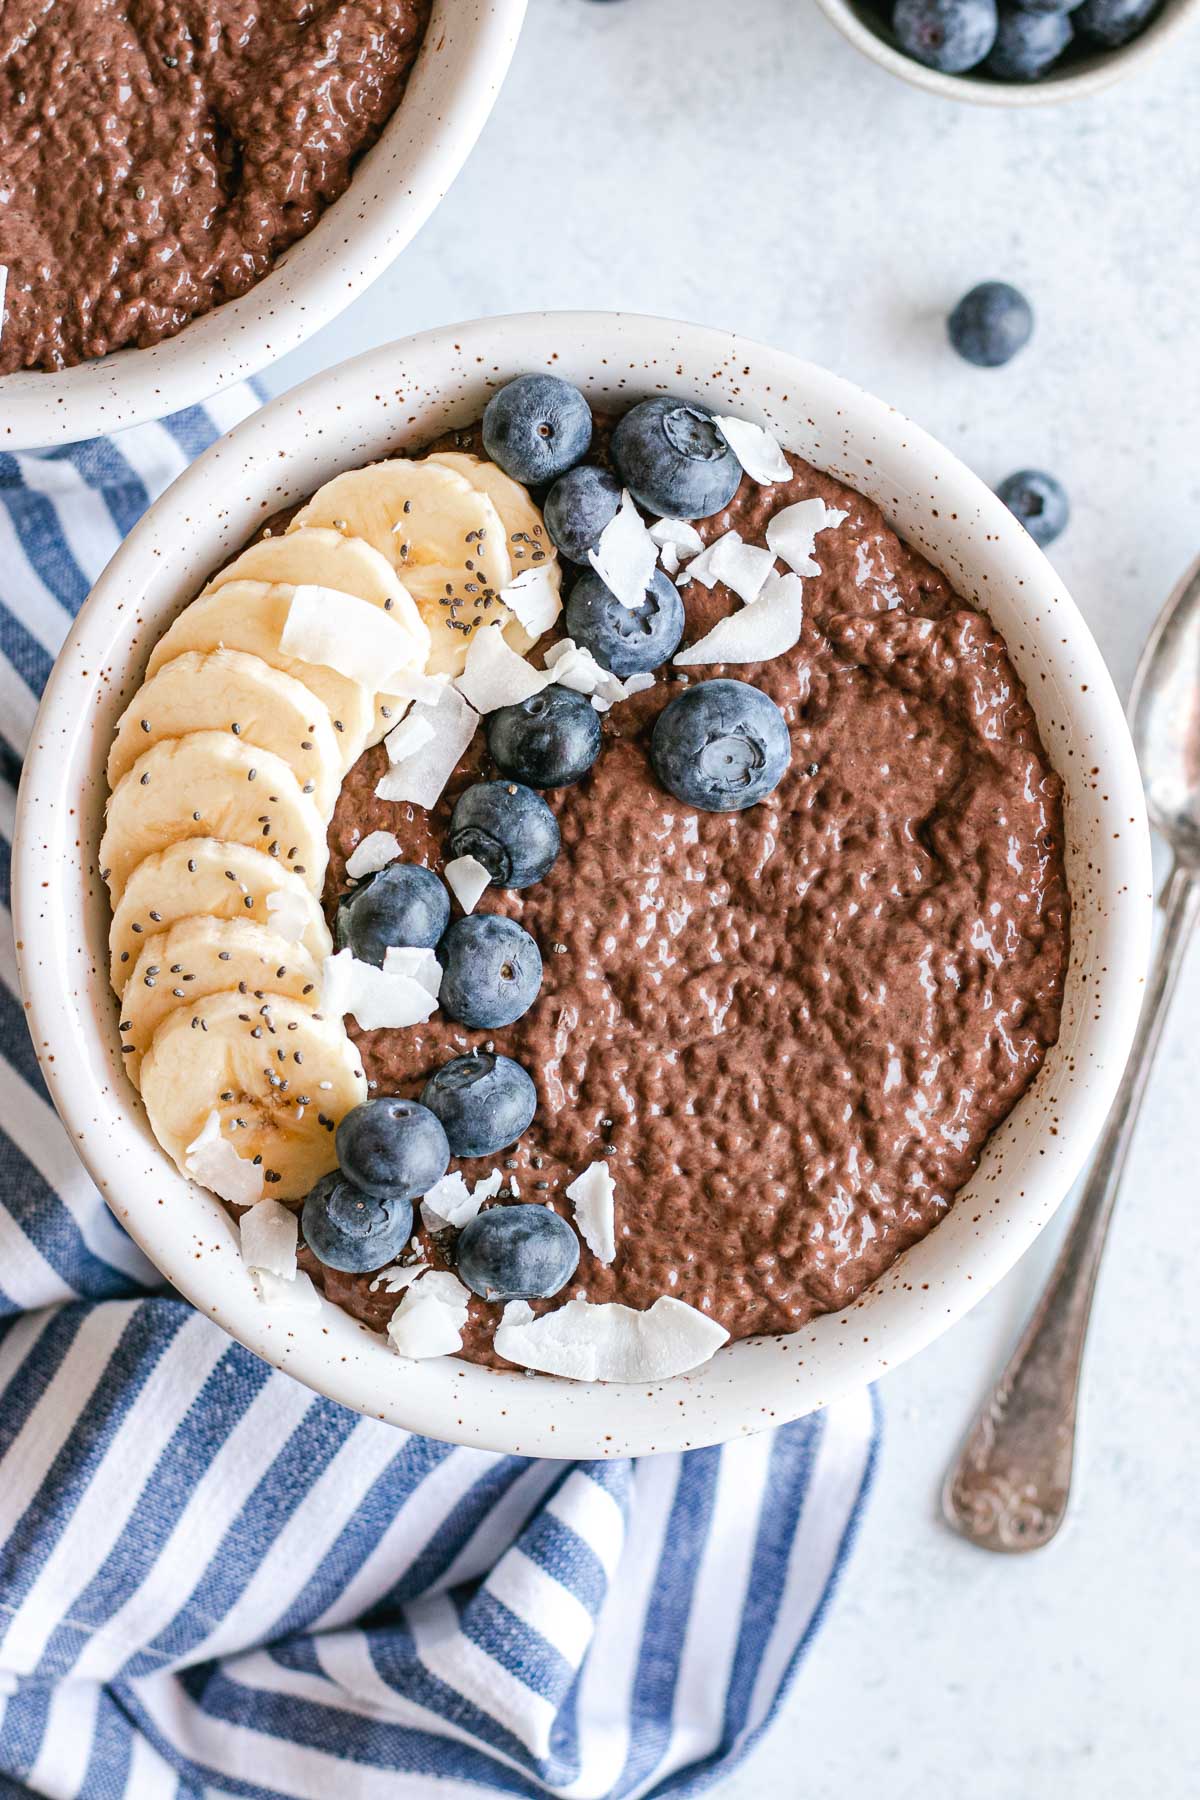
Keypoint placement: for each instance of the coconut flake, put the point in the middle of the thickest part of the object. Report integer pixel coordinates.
(420, 778)
(624, 558)
(395, 1279)
(678, 533)
(377, 850)
(792, 533)
(467, 880)
(495, 676)
(605, 1341)
(533, 599)
(269, 1234)
(409, 737)
(755, 633)
(450, 1203)
(212, 1160)
(297, 1295)
(638, 684)
(290, 912)
(419, 964)
(592, 1193)
(376, 997)
(669, 557)
(339, 630)
(430, 1318)
(575, 667)
(756, 449)
(410, 686)
(742, 567)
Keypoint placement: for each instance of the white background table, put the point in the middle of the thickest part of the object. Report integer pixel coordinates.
(735, 162)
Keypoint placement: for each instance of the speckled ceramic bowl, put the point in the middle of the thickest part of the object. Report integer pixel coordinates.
(397, 185)
(404, 394)
(867, 29)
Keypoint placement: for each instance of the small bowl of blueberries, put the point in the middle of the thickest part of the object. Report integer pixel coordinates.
(1009, 52)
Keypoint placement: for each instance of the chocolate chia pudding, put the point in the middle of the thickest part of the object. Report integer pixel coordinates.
(156, 156)
(787, 1030)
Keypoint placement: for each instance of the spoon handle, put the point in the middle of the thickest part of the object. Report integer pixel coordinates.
(1009, 1487)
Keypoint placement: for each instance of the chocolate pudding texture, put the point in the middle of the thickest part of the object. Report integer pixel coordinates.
(156, 156)
(790, 1030)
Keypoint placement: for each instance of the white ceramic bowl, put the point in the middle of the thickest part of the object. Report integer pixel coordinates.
(867, 31)
(451, 90)
(403, 395)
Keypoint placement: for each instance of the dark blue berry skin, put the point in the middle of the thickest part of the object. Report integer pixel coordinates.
(1038, 501)
(517, 1253)
(492, 971)
(1114, 22)
(537, 428)
(393, 1148)
(721, 746)
(1049, 6)
(1027, 44)
(949, 35)
(578, 507)
(626, 640)
(506, 827)
(484, 1102)
(673, 460)
(995, 320)
(402, 904)
(351, 1230)
(547, 741)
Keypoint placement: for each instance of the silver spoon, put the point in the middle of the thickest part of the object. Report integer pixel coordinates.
(1008, 1489)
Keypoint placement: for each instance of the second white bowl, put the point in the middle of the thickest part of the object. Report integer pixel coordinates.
(451, 90)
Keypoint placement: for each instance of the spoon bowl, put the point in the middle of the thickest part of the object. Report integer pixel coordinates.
(1165, 717)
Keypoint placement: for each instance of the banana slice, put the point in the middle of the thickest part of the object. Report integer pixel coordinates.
(211, 878)
(226, 690)
(250, 616)
(279, 1076)
(324, 557)
(210, 784)
(197, 957)
(444, 537)
(530, 545)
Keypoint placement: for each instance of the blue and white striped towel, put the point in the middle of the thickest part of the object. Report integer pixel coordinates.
(214, 1583)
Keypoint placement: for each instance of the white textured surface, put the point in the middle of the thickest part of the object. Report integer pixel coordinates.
(623, 133)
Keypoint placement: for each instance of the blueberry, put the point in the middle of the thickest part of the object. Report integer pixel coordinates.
(1114, 22)
(537, 428)
(578, 507)
(492, 970)
(392, 1147)
(1049, 6)
(402, 904)
(547, 741)
(517, 1253)
(484, 1102)
(1026, 45)
(949, 35)
(508, 828)
(352, 1230)
(721, 746)
(1039, 502)
(673, 460)
(991, 323)
(626, 640)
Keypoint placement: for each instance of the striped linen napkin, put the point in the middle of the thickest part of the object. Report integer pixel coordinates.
(213, 1582)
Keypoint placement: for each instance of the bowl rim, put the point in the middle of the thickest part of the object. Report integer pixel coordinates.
(750, 1385)
(396, 186)
(1101, 69)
